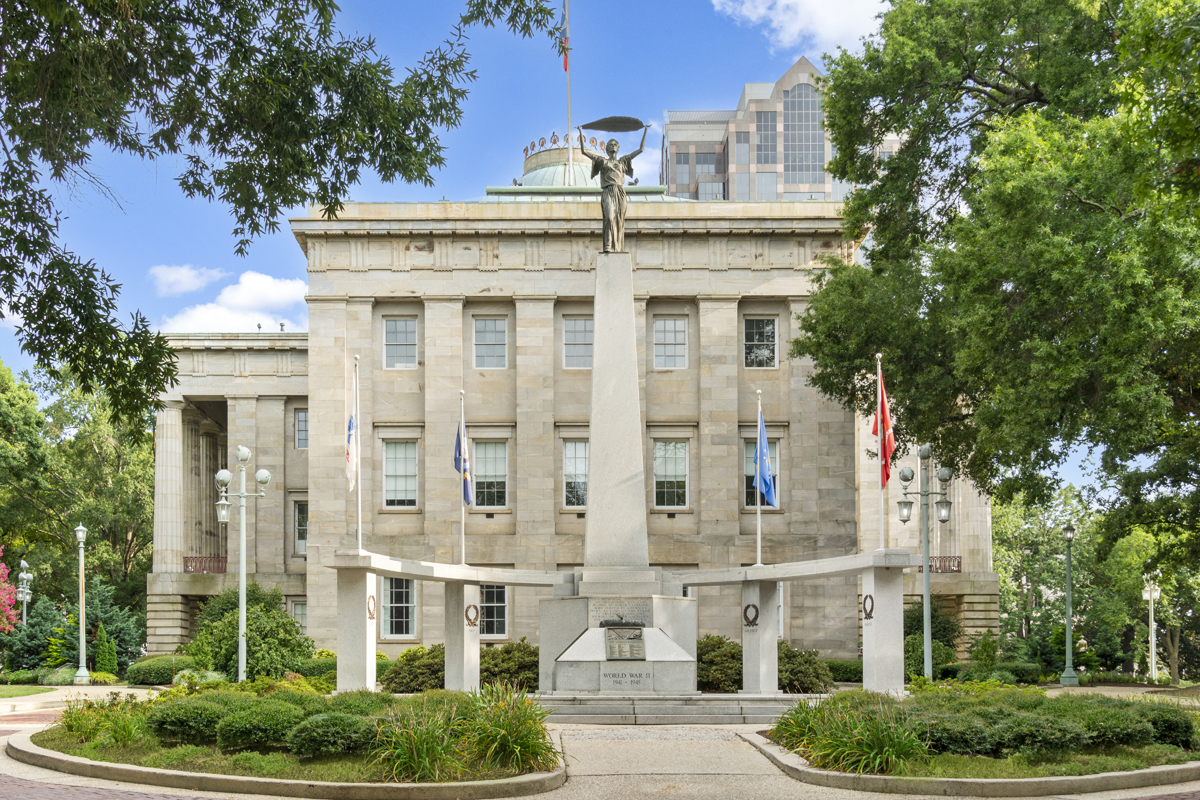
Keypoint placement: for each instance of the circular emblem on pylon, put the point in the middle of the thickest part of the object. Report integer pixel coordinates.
(472, 615)
(750, 615)
(371, 606)
(868, 606)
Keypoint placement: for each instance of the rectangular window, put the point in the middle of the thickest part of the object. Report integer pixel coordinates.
(301, 428)
(684, 195)
(742, 147)
(683, 175)
(300, 614)
(491, 344)
(706, 163)
(398, 607)
(759, 343)
(748, 493)
(803, 136)
(493, 610)
(743, 186)
(712, 191)
(300, 519)
(491, 474)
(765, 184)
(575, 473)
(399, 343)
(670, 474)
(400, 474)
(577, 342)
(670, 342)
(764, 137)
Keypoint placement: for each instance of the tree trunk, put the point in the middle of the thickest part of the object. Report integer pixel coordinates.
(1173, 651)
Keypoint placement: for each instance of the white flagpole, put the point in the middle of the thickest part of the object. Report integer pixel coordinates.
(882, 455)
(462, 478)
(570, 150)
(757, 488)
(358, 456)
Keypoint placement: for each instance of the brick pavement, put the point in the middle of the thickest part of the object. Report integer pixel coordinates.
(36, 790)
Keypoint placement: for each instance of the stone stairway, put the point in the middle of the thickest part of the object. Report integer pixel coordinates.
(702, 709)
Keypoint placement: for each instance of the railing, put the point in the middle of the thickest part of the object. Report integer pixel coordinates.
(211, 564)
(538, 145)
(943, 564)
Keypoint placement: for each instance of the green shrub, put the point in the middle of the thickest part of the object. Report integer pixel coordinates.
(186, 721)
(324, 652)
(845, 670)
(420, 744)
(19, 677)
(949, 672)
(198, 677)
(106, 653)
(513, 662)
(1036, 733)
(944, 626)
(327, 734)
(958, 733)
(264, 724)
(381, 656)
(718, 664)
(1003, 676)
(221, 604)
(984, 652)
(123, 728)
(417, 669)
(859, 733)
(61, 676)
(362, 703)
(275, 644)
(1172, 725)
(160, 671)
(229, 699)
(308, 702)
(508, 731)
(914, 655)
(102, 678)
(802, 671)
(317, 666)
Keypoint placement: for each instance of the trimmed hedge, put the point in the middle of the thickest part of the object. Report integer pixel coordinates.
(188, 721)
(316, 667)
(262, 725)
(361, 703)
(18, 677)
(417, 669)
(327, 734)
(718, 664)
(845, 670)
(159, 671)
(802, 671)
(515, 663)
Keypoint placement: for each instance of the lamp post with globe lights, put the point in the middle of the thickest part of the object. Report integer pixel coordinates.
(223, 479)
(1068, 677)
(24, 593)
(943, 513)
(1152, 593)
(81, 675)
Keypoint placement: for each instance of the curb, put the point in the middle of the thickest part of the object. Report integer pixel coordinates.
(795, 767)
(22, 749)
(20, 708)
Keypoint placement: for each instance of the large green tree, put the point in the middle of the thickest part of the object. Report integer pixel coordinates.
(268, 104)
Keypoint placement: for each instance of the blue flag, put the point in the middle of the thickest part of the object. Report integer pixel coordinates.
(764, 479)
(462, 465)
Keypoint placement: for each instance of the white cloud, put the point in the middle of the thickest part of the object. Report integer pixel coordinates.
(172, 280)
(256, 299)
(817, 25)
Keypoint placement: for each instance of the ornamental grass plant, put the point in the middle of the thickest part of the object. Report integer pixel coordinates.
(420, 743)
(508, 730)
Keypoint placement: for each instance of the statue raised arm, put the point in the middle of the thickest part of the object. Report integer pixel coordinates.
(613, 202)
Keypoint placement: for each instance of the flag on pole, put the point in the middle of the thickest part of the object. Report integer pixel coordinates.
(887, 440)
(566, 38)
(351, 451)
(462, 465)
(764, 476)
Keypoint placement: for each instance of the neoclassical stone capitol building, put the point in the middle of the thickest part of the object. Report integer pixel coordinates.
(494, 298)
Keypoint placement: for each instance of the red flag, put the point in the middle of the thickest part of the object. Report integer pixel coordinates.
(887, 443)
(566, 54)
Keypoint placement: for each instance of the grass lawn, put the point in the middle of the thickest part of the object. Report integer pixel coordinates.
(7, 692)
(1086, 762)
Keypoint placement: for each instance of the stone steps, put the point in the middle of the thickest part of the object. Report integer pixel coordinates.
(712, 709)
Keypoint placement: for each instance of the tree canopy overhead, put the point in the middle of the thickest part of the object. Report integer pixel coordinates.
(1032, 275)
(267, 103)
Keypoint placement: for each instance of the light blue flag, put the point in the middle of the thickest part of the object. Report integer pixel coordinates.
(462, 465)
(764, 480)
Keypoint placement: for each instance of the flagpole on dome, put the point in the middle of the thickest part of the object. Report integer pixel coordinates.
(757, 483)
(567, 68)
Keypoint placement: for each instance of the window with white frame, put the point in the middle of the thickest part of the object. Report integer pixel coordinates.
(301, 428)
(575, 473)
(670, 342)
(300, 614)
(670, 474)
(400, 343)
(491, 474)
(300, 523)
(491, 342)
(577, 342)
(398, 608)
(759, 343)
(748, 493)
(493, 610)
(400, 474)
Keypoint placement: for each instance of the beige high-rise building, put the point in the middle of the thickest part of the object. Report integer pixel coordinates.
(493, 297)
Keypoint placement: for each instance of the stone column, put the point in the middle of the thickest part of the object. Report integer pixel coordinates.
(357, 613)
(760, 639)
(883, 629)
(537, 487)
(462, 636)
(718, 492)
(243, 430)
(214, 543)
(443, 380)
(168, 489)
(270, 438)
(193, 532)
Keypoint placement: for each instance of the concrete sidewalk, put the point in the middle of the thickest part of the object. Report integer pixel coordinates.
(58, 696)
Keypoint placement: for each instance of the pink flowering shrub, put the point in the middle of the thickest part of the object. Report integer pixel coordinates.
(8, 600)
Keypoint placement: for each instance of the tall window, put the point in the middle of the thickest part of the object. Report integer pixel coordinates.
(491, 346)
(398, 607)
(300, 519)
(493, 610)
(773, 449)
(670, 474)
(301, 428)
(764, 138)
(741, 147)
(399, 343)
(712, 191)
(400, 474)
(743, 186)
(706, 163)
(759, 343)
(300, 614)
(670, 342)
(765, 185)
(683, 174)
(491, 474)
(577, 342)
(803, 136)
(575, 473)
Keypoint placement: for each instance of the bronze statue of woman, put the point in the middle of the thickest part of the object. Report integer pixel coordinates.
(613, 202)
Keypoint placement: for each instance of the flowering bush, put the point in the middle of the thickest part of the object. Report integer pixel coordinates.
(8, 600)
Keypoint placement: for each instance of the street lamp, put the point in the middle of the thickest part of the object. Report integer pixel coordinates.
(943, 515)
(223, 479)
(24, 593)
(1068, 677)
(81, 675)
(1152, 593)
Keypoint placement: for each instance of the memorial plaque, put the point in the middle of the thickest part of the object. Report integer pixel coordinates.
(625, 608)
(625, 679)
(624, 644)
